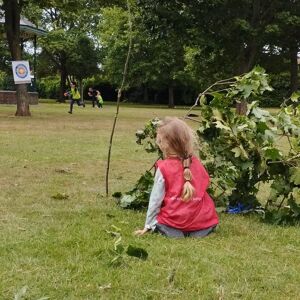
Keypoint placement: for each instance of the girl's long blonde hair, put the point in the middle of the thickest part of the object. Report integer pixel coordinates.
(175, 137)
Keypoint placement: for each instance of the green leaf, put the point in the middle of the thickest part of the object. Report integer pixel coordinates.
(295, 175)
(240, 152)
(217, 114)
(242, 127)
(260, 113)
(269, 136)
(296, 194)
(247, 165)
(251, 105)
(246, 90)
(221, 126)
(137, 252)
(202, 100)
(126, 201)
(262, 127)
(272, 153)
(140, 134)
(237, 151)
(60, 196)
(151, 147)
(258, 70)
(117, 195)
(295, 96)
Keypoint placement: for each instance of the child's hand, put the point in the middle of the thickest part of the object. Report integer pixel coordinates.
(141, 231)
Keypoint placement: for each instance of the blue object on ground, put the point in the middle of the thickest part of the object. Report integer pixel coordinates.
(239, 208)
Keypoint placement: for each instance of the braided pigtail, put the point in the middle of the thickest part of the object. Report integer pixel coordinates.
(188, 189)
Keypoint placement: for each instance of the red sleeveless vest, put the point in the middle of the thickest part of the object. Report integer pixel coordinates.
(196, 214)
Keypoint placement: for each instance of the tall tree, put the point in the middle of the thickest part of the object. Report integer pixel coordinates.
(227, 37)
(165, 29)
(12, 10)
(57, 47)
(66, 21)
(84, 59)
(156, 57)
(284, 33)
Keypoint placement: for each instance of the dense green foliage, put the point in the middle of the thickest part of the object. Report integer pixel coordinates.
(48, 87)
(241, 152)
(229, 37)
(178, 48)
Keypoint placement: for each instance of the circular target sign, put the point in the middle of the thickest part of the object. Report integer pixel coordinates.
(21, 70)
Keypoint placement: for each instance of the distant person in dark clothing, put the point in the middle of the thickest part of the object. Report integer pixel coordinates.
(93, 95)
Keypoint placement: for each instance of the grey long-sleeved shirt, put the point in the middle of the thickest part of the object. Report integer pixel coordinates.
(156, 199)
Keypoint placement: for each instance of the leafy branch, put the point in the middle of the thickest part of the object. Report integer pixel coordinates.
(241, 151)
(120, 252)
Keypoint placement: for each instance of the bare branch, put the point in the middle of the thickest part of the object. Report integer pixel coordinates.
(220, 82)
(189, 118)
(119, 97)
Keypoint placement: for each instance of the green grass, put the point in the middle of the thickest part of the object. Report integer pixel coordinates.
(60, 248)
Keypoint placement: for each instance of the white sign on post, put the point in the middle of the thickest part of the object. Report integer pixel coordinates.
(21, 71)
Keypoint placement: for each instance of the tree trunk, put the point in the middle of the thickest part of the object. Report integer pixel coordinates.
(294, 83)
(248, 54)
(171, 96)
(251, 54)
(241, 108)
(22, 101)
(12, 9)
(247, 57)
(253, 45)
(62, 86)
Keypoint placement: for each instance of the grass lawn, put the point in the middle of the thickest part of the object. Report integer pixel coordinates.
(60, 248)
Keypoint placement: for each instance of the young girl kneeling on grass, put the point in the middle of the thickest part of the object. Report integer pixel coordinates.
(179, 205)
